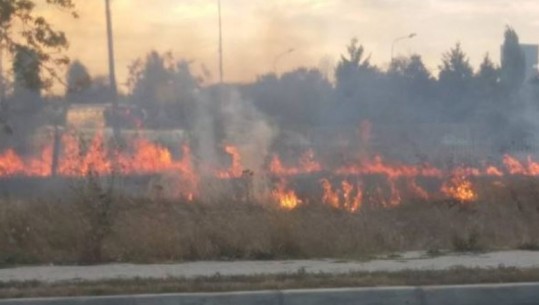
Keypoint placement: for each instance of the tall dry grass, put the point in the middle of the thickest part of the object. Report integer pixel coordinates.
(95, 226)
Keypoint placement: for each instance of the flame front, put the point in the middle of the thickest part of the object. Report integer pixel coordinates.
(342, 186)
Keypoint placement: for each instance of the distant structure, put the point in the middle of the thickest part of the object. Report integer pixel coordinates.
(531, 52)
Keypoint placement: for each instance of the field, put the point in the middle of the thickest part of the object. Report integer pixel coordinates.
(89, 223)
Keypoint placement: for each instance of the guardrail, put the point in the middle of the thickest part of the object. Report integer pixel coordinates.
(500, 294)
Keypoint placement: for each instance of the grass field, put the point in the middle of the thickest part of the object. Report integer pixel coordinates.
(95, 226)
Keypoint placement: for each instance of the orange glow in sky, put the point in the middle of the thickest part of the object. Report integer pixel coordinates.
(256, 31)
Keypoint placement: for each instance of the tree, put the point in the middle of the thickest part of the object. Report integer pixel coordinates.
(350, 67)
(413, 72)
(150, 83)
(357, 86)
(455, 85)
(410, 88)
(79, 82)
(513, 69)
(487, 80)
(28, 82)
(22, 28)
(296, 99)
(164, 88)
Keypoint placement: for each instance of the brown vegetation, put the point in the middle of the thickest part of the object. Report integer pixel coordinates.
(96, 225)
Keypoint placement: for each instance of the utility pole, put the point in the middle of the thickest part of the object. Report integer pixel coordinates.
(112, 75)
(220, 45)
(2, 81)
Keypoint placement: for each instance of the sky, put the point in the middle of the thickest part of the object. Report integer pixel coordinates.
(255, 32)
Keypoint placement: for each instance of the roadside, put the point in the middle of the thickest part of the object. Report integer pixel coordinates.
(408, 269)
(457, 276)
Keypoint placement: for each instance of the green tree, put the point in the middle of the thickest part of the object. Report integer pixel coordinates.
(410, 89)
(413, 73)
(26, 34)
(487, 79)
(351, 66)
(513, 69)
(357, 87)
(455, 85)
(79, 82)
(22, 28)
(296, 99)
(27, 68)
(28, 82)
(165, 89)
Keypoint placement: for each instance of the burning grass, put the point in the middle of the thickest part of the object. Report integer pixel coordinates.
(94, 225)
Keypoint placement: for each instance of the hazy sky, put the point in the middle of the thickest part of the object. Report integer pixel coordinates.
(255, 31)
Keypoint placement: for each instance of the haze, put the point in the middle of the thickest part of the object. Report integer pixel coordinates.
(256, 31)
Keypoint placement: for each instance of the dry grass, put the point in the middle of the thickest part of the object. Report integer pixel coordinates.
(269, 282)
(95, 227)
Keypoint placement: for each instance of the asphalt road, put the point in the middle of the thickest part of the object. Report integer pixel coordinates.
(514, 294)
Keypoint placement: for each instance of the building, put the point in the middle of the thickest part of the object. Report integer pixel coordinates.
(531, 52)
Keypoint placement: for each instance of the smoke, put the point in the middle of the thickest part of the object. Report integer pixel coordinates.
(204, 134)
(223, 119)
(248, 129)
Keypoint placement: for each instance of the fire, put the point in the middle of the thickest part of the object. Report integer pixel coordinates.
(378, 166)
(417, 190)
(514, 166)
(286, 198)
(308, 162)
(236, 169)
(10, 163)
(350, 186)
(348, 198)
(352, 202)
(493, 171)
(460, 188)
(307, 165)
(395, 198)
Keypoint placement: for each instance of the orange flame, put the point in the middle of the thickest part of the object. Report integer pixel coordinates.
(460, 188)
(236, 169)
(352, 197)
(286, 198)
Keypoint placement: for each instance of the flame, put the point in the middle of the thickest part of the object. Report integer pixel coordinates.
(286, 198)
(377, 166)
(460, 188)
(514, 166)
(10, 163)
(417, 190)
(352, 202)
(493, 171)
(141, 156)
(348, 198)
(307, 165)
(330, 197)
(395, 198)
(236, 169)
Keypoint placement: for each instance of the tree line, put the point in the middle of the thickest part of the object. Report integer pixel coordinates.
(491, 97)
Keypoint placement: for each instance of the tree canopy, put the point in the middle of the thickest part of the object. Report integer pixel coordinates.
(21, 26)
(513, 69)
